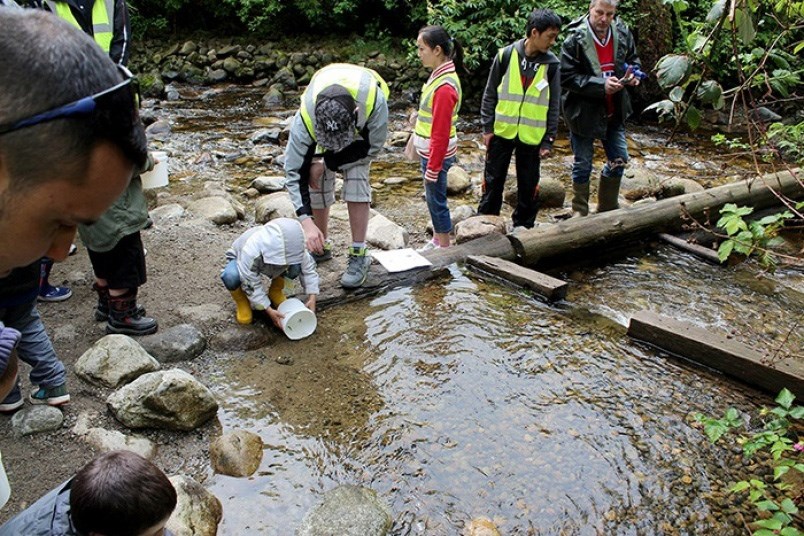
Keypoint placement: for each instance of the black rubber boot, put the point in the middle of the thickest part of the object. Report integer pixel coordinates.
(608, 193)
(102, 309)
(125, 318)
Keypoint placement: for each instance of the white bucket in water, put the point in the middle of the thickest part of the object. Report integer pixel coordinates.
(158, 176)
(5, 489)
(299, 321)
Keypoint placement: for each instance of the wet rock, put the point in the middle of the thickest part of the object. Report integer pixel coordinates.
(551, 193)
(114, 360)
(251, 193)
(679, 186)
(458, 180)
(393, 181)
(108, 440)
(238, 453)
(216, 209)
(170, 399)
(285, 78)
(158, 130)
(382, 233)
(267, 185)
(478, 226)
(35, 419)
(276, 205)
(171, 93)
(165, 213)
(198, 512)
(266, 135)
(347, 511)
(187, 48)
(462, 213)
(178, 343)
(481, 526)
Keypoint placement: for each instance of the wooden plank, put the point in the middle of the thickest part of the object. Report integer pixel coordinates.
(718, 352)
(551, 288)
(707, 254)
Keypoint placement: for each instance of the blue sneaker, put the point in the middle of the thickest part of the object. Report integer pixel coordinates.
(50, 293)
(13, 401)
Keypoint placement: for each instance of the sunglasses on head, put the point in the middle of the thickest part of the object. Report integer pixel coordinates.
(83, 106)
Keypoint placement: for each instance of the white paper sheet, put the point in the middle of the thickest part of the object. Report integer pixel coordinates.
(399, 260)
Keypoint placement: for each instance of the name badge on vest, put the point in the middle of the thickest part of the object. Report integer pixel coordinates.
(542, 84)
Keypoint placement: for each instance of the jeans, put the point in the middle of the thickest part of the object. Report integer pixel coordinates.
(498, 158)
(616, 154)
(34, 347)
(436, 195)
(231, 277)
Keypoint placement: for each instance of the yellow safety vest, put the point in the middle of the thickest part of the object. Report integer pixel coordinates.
(424, 120)
(101, 21)
(522, 113)
(361, 82)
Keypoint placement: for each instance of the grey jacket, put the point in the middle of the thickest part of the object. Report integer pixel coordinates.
(584, 96)
(527, 66)
(301, 148)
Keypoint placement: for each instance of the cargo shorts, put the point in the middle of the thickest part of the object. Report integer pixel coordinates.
(356, 187)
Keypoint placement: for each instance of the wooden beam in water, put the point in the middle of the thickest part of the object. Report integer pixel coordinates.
(707, 254)
(718, 352)
(549, 287)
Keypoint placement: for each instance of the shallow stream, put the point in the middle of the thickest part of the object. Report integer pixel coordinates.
(465, 397)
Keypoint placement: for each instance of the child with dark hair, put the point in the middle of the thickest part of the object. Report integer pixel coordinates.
(119, 493)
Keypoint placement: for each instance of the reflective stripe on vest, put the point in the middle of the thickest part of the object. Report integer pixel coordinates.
(522, 113)
(101, 22)
(424, 120)
(361, 83)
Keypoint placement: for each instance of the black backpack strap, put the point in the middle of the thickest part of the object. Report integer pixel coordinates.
(506, 58)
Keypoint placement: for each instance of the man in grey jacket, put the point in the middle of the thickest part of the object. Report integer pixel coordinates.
(520, 111)
(598, 62)
(341, 126)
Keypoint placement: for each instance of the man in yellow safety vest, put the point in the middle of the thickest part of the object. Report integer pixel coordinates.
(519, 112)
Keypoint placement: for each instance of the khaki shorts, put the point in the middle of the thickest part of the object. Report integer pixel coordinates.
(356, 187)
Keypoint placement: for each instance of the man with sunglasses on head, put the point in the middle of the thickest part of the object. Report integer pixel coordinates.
(113, 243)
(70, 141)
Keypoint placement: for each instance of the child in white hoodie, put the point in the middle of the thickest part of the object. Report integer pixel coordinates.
(277, 251)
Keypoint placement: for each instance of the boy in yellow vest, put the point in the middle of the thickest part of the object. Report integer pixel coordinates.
(519, 112)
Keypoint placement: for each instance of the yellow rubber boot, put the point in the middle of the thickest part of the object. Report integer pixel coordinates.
(276, 292)
(244, 315)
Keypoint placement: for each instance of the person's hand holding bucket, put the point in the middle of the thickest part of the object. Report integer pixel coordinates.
(298, 321)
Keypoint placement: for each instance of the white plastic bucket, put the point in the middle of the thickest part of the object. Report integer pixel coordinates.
(5, 489)
(299, 321)
(158, 176)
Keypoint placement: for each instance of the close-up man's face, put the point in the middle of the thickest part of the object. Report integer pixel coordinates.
(600, 16)
(41, 220)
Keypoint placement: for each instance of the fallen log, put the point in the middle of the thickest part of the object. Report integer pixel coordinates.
(548, 287)
(638, 222)
(718, 352)
(707, 254)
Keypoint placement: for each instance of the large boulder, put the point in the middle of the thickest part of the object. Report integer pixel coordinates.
(238, 453)
(115, 360)
(348, 511)
(216, 209)
(458, 180)
(170, 400)
(198, 512)
(36, 419)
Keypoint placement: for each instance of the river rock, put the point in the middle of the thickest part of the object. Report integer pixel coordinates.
(158, 130)
(285, 78)
(481, 526)
(478, 226)
(393, 181)
(274, 98)
(187, 48)
(197, 512)
(170, 399)
(679, 186)
(267, 185)
(35, 419)
(216, 76)
(165, 213)
(382, 233)
(347, 511)
(276, 205)
(397, 139)
(551, 193)
(216, 209)
(108, 440)
(113, 361)
(238, 453)
(177, 343)
(266, 135)
(461, 213)
(458, 180)
(239, 338)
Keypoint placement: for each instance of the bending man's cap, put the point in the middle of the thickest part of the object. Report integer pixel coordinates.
(334, 118)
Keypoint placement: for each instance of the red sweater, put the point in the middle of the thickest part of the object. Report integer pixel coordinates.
(444, 101)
